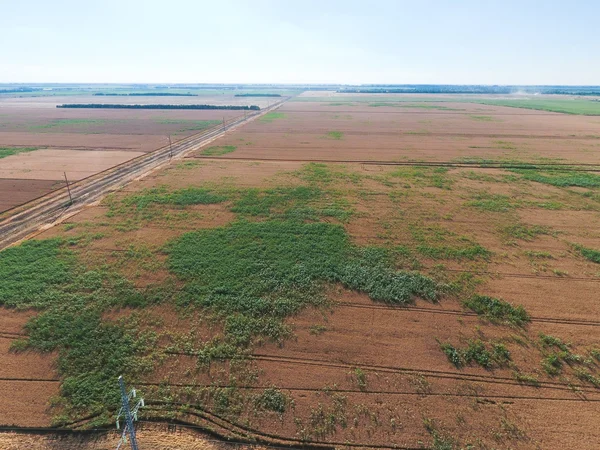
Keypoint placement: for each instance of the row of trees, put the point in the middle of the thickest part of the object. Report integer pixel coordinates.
(258, 95)
(121, 106)
(147, 94)
(470, 89)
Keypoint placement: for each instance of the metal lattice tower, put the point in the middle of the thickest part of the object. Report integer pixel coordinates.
(130, 415)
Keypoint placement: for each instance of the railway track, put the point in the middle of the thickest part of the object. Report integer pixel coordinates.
(19, 222)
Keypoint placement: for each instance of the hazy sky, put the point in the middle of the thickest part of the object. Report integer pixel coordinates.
(301, 41)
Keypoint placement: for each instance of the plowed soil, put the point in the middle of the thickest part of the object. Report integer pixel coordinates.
(410, 392)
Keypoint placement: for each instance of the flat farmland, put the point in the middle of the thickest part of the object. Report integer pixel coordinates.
(44, 141)
(427, 131)
(252, 290)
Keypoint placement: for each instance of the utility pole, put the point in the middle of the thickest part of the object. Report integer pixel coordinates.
(68, 188)
(170, 149)
(130, 415)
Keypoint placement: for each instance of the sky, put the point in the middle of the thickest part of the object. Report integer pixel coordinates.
(301, 41)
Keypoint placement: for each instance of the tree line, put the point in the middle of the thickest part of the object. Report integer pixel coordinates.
(121, 106)
(258, 95)
(147, 94)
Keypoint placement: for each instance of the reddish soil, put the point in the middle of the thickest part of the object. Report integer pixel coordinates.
(14, 192)
(27, 379)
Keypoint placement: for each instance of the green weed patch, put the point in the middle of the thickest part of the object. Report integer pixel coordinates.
(218, 150)
(497, 310)
(560, 178)
(302, 203)
(424, 176)
(589, 253)
(437, 243)
(319, 173)
(92, 352)
(271, 116)
(492, 202)
(181, 197)
(9, 151)
(525, 232)
(337, 135)
(255, 274)
(477, 352)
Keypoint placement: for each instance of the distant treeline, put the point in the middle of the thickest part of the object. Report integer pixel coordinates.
(113, 106)
(258, 95)
(148, 94)
(470, 89)
(17, 91)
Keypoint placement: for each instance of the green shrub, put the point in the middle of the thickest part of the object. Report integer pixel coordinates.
(589, 254)
(272, 399)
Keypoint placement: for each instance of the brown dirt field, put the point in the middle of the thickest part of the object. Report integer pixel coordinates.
(51, 164)
(72, 141)
(409, 381)
(15, 192)
(388, 134)
(25, 402)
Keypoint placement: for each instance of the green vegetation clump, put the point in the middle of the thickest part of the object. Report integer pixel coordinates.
(31, 272)
(478, 353)
(218, 150)
(9, 151)
(255, 274)
(337, 135)
(302, 203)
(181, 197)
(437, 243)
(92, 352)
(272, 399)
(552, 341)
(560, 178)
(482, 118)
(271, 117)
(424, 176)
(319, 173)
(525, 232)
(497, 310)
(492, 202)
(589, 253)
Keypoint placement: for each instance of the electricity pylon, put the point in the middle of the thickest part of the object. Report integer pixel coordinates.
(130, 415)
